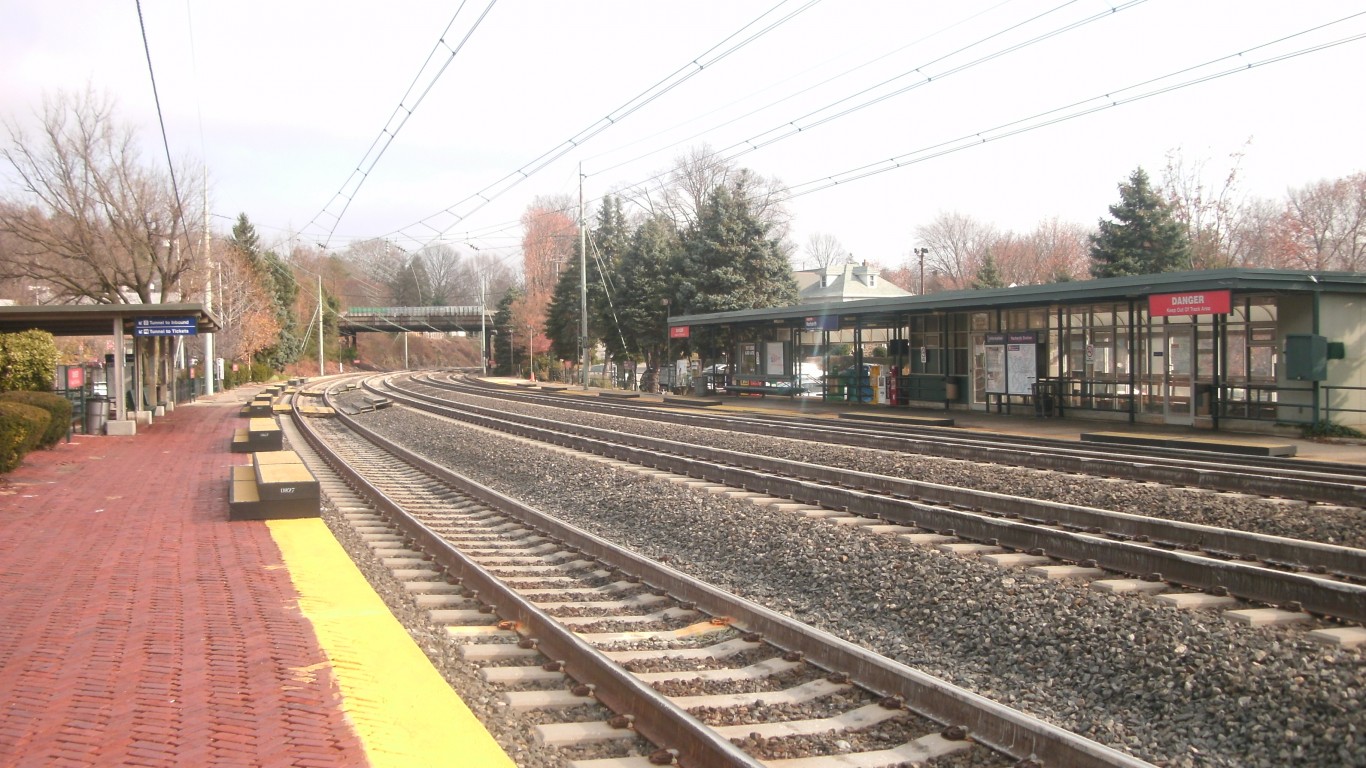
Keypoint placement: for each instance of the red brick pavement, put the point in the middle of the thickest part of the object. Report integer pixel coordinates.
(138, 627)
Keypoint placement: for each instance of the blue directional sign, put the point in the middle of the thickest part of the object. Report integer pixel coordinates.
(165, 326)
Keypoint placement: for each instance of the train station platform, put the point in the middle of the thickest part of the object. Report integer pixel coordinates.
(138, 626)
(986, 422)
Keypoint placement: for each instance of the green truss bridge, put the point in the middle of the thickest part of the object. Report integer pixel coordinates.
(358, 320)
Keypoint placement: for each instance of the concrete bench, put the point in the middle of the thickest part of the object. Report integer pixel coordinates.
(261, 434)
(1234, 445)
(275, 486)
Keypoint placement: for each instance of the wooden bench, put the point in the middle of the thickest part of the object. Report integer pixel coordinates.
(260, 434)
(275, 486)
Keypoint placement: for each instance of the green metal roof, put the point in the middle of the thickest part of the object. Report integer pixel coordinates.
(97, 319)
(889, 311)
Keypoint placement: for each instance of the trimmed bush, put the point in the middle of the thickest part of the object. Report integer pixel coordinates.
(28, 360)
(58, 408)
(21, 427)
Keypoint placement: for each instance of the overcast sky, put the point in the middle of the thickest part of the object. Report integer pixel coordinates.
(284, 100)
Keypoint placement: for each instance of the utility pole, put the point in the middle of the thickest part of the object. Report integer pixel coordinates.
(210, 365)
(322, 363)
(921, 253)
(583, 285)
(483, 334)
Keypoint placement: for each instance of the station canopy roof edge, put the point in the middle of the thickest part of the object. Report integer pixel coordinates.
(890, 311)
(98, 319)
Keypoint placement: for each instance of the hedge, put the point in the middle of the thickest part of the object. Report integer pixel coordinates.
(21, 427)
(28, 360)
(59, 409)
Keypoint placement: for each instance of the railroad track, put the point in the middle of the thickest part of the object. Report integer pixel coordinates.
(1324, 482)
(1289, 578)
(565, 619)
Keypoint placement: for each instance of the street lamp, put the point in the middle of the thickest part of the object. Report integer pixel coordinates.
(920, 252)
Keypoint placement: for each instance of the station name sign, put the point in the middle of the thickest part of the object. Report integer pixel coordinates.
(823, 323)
(165, 326)
(679, 331)
(1193, 303)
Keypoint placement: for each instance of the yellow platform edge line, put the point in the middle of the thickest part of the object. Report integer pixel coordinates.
(403, 711)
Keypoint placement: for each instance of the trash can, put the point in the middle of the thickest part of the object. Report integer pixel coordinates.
(951, 390)
(96, 414)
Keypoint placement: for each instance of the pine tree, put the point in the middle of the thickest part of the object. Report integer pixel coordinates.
(988, 275)
(1144, 238)
(728, 261)
(646, 282)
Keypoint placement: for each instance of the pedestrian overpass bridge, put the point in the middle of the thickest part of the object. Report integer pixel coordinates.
(358, 320)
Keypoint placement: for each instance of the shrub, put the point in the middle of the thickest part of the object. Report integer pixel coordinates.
(1329, 429)
(58, 408)
(21, 427)
(28, 360)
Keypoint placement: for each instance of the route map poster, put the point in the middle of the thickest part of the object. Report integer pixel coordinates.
(996, 367)
(1010, 363)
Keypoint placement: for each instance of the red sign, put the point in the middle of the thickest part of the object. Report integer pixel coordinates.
(1193, 303)
(75, 377)
(678, 331)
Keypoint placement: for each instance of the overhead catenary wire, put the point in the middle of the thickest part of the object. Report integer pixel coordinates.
(161, 120)
(1108, 100)
(918, 69)
(390, 131)
(429, 227)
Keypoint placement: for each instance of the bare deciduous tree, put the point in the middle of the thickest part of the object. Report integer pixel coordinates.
(1210, 215)
(823, 251)
(680, 194)
(89, 220)
(958, 244)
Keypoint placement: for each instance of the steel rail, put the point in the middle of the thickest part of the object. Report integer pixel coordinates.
(658, 719)
(655, 717)
(893, 502)
(1168, 466)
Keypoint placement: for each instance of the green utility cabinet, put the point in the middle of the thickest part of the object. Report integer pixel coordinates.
(1306, 357)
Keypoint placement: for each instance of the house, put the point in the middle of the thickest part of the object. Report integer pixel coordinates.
(844, 282)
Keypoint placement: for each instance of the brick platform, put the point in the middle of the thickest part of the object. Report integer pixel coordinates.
(139, 627)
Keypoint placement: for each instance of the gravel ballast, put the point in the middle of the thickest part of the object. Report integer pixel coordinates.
(1171, 687)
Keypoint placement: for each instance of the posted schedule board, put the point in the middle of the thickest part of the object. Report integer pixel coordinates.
(1010, 361)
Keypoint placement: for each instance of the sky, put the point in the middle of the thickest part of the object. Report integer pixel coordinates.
(427, 122)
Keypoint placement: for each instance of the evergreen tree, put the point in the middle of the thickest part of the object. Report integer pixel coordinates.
(1144, 238)
(728, 262)
(412, 285)
(988, 275)
(506, 351)
(606, 242)
(244, 237)
(646, 280)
